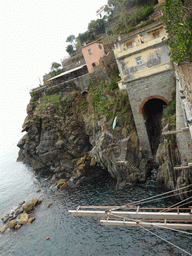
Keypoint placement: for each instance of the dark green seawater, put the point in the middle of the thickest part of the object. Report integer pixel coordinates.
(76, 236)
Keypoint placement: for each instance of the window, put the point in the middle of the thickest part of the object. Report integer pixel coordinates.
(139, 60)
(156, 34)
(90, 52)
(129, 45)
(100, 47)
(93, 64)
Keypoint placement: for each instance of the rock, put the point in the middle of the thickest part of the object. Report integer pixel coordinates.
(93, 162)
(39, 201)
(53, 178)
(34, 201)
(22, 141)
(28, 207)
(64, 186)
(23, 218)
(3, 229)
(124, 132)
(17, 227)
(30, 220)
(18, 211)
(12, 223)
(5, 218)
(59, 144)
(81, 166)
(60, 183)
(49, 204)
(80, 161)
(57, 169)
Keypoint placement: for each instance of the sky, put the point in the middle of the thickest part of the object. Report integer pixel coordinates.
(33, 36)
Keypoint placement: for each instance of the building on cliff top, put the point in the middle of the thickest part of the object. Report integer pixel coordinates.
(92, 53)
(147, 74)
(102, 13)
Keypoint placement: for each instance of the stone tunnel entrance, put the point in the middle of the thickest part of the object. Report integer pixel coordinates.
(152, 111)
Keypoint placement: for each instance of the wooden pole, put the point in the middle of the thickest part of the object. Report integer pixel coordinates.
(134, 215)
(185, 129)
(146, 224)
(184, 167)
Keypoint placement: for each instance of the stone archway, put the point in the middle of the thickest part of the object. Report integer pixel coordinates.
(152, 110)
(150, 98)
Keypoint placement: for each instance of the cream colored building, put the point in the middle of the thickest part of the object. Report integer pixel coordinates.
(142, 53)
(147, 74)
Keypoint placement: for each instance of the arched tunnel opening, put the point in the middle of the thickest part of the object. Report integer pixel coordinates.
(153, 113)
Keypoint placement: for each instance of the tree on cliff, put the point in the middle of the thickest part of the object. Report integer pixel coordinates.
(70, 49)
(177, 16)
(97, 26)
(55, 69)
(71, 39)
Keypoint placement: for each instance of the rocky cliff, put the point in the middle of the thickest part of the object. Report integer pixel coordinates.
(71, 132)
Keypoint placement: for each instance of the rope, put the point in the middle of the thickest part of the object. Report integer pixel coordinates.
(138, 220)
(166, 240)
(152, 197)
(167, 197)
(179, 203)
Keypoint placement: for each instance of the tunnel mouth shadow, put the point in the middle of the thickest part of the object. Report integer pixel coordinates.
(153, 114)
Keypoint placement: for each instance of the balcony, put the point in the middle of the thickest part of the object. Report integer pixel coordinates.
(121, 51)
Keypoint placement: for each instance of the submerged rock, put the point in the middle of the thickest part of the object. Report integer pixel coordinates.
(23, 218)
(49, 204)
(30, 220)
(17, 227)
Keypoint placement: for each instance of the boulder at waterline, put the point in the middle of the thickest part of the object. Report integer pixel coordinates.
(17, 227)
(12, 223)
(34, 201)
(60, 183)
(23, 218)
(93, 162)
(18, 211)
(30, 220)
(28, 207)
(5, 218)
(3, 229)
(64, 186)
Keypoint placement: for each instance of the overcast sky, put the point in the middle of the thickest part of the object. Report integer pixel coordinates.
(33, 35)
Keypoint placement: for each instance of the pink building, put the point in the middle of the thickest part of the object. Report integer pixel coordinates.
(92, 54)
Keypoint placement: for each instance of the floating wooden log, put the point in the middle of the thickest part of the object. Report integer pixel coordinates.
(134, 215)
(146, 224)
(185, 129)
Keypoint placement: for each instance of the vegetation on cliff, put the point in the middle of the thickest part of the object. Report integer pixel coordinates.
(177, 16)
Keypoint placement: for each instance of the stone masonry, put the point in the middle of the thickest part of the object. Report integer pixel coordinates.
(184, 141)
(157, 86)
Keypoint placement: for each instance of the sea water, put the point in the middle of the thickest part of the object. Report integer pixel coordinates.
(77, 235)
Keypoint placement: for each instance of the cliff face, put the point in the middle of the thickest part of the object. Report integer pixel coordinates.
(65, 126)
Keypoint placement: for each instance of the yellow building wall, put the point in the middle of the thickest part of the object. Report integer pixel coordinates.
(153, 51)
